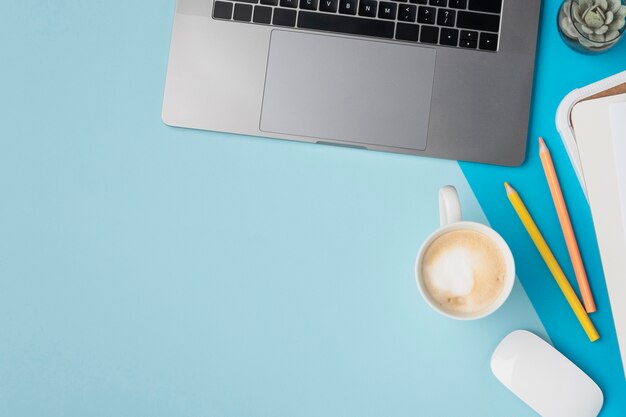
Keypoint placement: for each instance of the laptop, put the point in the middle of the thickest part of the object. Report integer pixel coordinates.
(443, 78)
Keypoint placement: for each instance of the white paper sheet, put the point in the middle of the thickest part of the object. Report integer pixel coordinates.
(618, 132)
(604, 169)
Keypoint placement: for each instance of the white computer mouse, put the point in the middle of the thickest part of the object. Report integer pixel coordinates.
(543, 378)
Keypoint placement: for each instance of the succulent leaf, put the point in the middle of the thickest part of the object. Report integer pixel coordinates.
(586, 29)
(594, 20)
(597, 38)
(614, 5)
(617, 24)
(586, 42)
(611, 35)
(568, 28)
(575, 13)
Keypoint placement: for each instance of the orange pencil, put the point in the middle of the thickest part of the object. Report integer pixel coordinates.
(566, 227)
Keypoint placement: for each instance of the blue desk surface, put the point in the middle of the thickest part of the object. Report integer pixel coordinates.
(146, 270)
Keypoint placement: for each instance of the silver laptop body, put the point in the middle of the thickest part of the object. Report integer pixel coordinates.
(450, 79)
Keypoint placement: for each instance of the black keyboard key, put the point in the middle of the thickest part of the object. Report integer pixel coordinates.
(440, 3)
(345, 24)
(491, 6)
(449, 37)
(262, 14)
(458, 4)
(478, 21)
(430, 34)
(329, 5)
(270, 2)
(247, 1)
(407, 13)
(469, 35)
(446, 17)
(387, 10)
(407, 32)
(308, 4)
(419, 1)
(289, 3)
(466, 43)
(426, 15)
(468, 39)
(243, 12)
(488, 41)
(348, 6)
(368, 8)
(403, 1)
(222, 10)
(284, 17)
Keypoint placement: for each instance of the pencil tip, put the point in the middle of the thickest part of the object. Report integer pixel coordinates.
(542, 144)
(508, 188)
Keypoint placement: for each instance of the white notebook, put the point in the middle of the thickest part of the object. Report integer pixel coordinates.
(600, 128)
(615, 84)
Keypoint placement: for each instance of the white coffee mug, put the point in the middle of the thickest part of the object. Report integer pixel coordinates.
(451, 220)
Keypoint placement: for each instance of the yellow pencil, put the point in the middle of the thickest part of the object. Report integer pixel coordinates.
(551, 262)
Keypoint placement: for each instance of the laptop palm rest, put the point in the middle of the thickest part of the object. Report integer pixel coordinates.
(347, 90)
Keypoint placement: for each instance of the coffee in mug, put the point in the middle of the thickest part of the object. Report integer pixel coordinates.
(464, 271)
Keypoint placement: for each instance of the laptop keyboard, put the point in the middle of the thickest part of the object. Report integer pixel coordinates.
(468, 24)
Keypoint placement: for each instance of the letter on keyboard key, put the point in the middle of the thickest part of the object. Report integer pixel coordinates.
(491, 6)
(478, 21)
(289, 3)
(329, 5)
(345, 24)
(308, 4)
(283, 17)
(368, 8)
(347, 6)
(387, 10)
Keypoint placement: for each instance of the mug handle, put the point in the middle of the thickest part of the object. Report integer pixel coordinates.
(449, 206)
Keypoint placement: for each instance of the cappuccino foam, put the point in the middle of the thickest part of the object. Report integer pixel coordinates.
(464, 271)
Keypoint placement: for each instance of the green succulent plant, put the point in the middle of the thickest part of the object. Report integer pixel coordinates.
(593, 21)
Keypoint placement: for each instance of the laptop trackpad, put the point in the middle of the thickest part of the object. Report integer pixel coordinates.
(348, 90)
